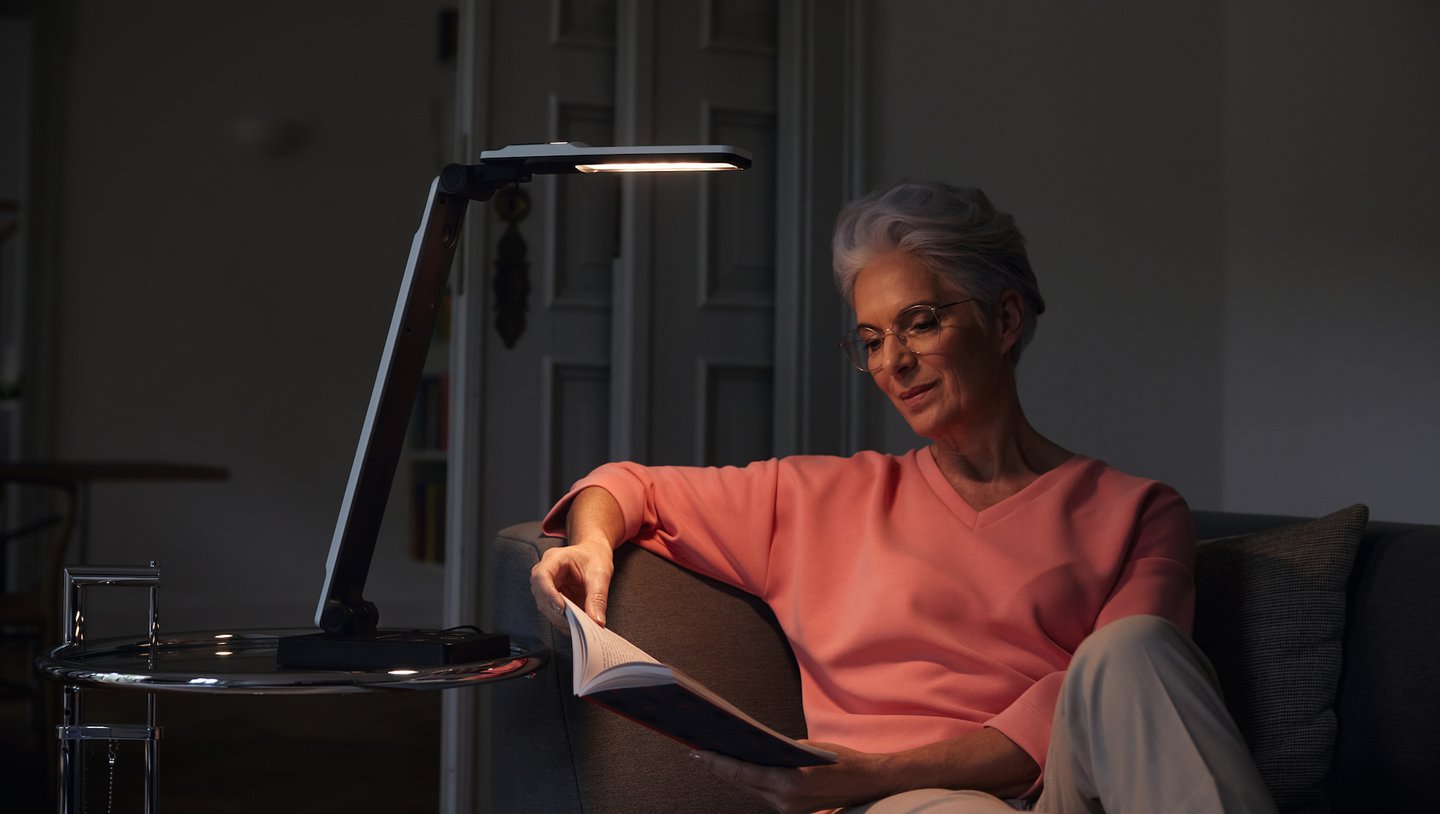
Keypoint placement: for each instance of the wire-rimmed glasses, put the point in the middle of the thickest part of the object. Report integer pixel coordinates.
(917, 328)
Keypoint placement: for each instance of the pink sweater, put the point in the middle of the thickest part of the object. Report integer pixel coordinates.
(913, 617)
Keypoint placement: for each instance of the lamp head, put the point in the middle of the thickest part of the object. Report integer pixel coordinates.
(518, 162)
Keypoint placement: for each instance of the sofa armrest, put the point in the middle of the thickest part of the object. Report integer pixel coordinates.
(530, 766)
(552, 752)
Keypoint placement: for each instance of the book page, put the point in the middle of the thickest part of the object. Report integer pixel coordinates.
(597, 649)
(614, 673)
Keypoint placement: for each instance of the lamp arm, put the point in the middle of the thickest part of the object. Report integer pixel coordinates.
(343, 609)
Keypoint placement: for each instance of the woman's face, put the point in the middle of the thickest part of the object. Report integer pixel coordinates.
(959, 383)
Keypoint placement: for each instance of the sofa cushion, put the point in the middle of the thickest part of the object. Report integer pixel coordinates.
(1270, 614)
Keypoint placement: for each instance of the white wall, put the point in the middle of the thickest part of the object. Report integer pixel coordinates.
(1230, 209)
(1098, 128)
(225, 307)
(1332, 352)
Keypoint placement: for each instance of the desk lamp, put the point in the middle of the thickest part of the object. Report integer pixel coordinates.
(349, 636)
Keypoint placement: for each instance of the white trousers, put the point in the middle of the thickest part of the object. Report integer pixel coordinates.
(1140, 728)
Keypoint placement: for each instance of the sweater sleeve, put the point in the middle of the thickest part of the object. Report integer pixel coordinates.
(1028, 721)
(718, 521)
(1159, 575)
(1157, 578)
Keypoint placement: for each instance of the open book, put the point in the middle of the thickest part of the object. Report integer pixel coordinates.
(613, 673)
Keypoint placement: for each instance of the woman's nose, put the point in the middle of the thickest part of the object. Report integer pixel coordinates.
(895, 355)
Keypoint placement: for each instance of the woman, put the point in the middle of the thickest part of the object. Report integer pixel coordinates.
(937, 602)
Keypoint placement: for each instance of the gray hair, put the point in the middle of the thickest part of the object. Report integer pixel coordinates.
(955, 233)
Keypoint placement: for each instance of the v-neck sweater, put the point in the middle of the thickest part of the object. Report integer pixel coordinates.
(913, 617)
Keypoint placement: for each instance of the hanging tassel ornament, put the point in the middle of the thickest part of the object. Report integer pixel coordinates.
(512, 280)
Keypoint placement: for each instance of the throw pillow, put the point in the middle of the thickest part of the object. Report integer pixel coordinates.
(1270, 614)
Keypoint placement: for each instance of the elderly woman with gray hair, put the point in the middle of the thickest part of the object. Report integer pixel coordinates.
(990, 622)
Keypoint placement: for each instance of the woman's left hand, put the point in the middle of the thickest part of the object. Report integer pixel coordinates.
(857, 778)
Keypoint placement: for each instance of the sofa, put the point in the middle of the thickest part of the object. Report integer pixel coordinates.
(1323, 632)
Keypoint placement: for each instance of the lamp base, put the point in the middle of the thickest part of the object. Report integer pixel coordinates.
(393, 649)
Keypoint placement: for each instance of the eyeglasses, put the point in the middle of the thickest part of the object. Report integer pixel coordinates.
(917, 328)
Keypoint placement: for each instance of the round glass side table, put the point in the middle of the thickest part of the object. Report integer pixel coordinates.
(244, 661)
(221, 661)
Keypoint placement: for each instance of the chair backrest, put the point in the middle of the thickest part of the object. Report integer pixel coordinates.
(49, 534)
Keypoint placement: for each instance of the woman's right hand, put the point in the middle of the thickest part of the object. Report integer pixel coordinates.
(582, 569)
(581, 572)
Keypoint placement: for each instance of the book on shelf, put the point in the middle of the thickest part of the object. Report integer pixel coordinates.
(612, 672)
(427, 516)
(430, 419)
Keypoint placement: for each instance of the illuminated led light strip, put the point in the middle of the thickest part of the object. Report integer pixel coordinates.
(658, 166)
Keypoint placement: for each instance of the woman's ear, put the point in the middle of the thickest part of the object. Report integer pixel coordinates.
(1009, 319)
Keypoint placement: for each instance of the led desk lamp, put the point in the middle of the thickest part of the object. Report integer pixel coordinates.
(348, 636)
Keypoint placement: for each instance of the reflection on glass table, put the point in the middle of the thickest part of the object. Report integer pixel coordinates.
(244, 661)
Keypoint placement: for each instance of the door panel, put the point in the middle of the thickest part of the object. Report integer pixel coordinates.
(707, 379)
(545, 402)
(713, 278)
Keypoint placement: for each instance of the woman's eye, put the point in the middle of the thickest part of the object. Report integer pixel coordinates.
(921, 325)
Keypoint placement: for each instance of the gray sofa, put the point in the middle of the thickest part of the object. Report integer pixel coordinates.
(1332, 671)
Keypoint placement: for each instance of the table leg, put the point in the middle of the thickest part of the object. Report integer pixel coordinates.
(72, 753)
(152, 757)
